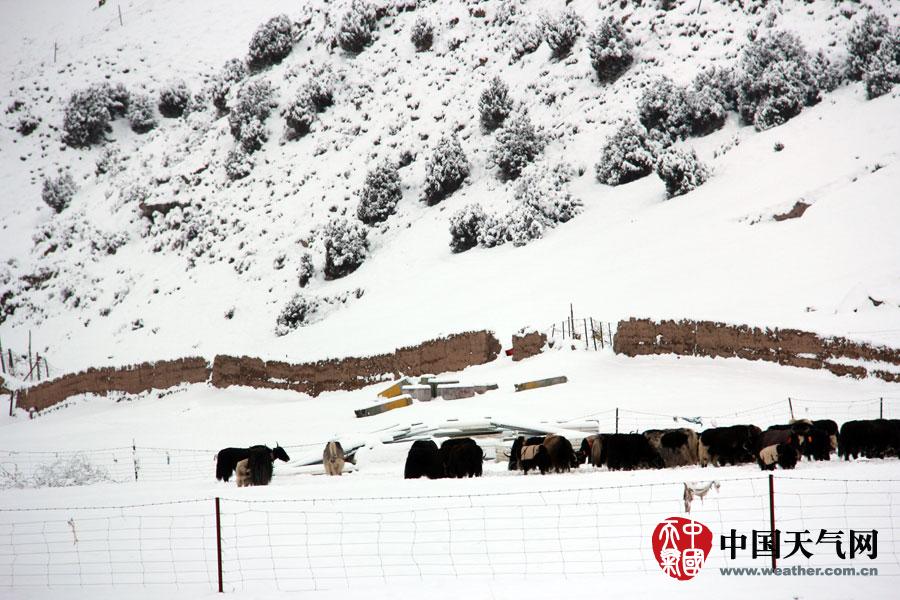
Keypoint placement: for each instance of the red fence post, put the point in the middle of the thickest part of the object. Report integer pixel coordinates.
(772, 516)
(219, 543)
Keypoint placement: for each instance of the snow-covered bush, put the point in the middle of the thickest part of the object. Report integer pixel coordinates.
(774, 80)
(681, 171)
(356, 26)
(238, 163)
(63, 472)
(134, 193)
(109, 160)
(300, 113)
(664, 106)
(492, 231)
(562, 32)
(517, 144)
(445, 169)
(863, 41)
(422, 34)
(271, 42)
(232, 73)
(346, 247)
(610, 49)
(57, 191)
(141, 115)
(708, 112)
(87, 115)
(465, 227)
(627, 156)
(27, 123)
(174, 98)
(296, 313)
(543, 201)
(829, 75)
(255, 102)
(883, 69)
(494, 104)
(528, 38)
(306, 270)
(320, 87)
(380, 194)
(718, 84)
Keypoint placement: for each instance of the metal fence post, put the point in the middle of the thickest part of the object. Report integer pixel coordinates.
(219, 543)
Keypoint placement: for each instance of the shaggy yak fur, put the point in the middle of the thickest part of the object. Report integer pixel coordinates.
(676, 447)
(729, 445)
(461, 457)
(627, 451)
(333, 458)
(562, 455)
(423, 460)
(228, 458)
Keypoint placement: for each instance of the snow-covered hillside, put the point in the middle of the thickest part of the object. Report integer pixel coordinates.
(104, 281)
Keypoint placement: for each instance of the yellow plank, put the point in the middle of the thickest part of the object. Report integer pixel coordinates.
(394, 390)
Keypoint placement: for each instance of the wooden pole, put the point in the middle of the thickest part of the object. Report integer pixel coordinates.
(586, 342)
(772, 516)
(134, 458)
(12, 366)
(609, 327)
(37, 363)
(791, 407)
(881, 408)
(617, 420)
(553, 331)
(121, 23)
(564, 329)
(594, 335)
(46, 368)
(12, 399)
(571, 320)
(30, 364)
(55, 50)
(2, 360)
(219, 543)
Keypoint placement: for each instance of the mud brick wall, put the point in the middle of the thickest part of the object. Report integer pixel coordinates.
(452, 353)
(527, 345)
(791, 347)
(132, 379)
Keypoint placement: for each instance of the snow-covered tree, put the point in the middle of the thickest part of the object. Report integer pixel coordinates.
(774, 80)
(320, 87)
(87, 116)
(562, 32)
(255, 102)
(494, 104)
(465, 227)
(545, 189)
(883, 69)
(422, 33)
(863, 41)
(58, 191)
(708, 113)
(356, 26)
(238, 163)
(232, 73)
(445, 169)
(517, 144)
(610, 49)
(141, 116)
(627, 156)
(300, 113)
(492, 231)
(346, 247)
(380, 194)
(664, 106)
(271, 42)
(306, 271)
(174, 98)
(296, 313)
(718, 84)
(681, 171)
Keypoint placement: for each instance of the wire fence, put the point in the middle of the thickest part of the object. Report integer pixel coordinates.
(316, 543)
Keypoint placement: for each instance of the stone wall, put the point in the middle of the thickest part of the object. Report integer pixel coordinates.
(784, 346)
(132, 379)
(449, 354)
(526, 345)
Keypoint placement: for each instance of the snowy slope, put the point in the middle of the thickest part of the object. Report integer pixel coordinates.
(713, 253)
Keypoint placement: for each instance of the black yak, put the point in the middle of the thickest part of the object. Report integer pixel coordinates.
(461, 457)
(228, 458)
(423, 460)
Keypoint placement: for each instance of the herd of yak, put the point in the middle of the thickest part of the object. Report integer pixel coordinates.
(779, 445)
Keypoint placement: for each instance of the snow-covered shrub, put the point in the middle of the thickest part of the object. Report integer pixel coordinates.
(543, 201)
(380, 194)
(681, 171)
(134, 193)
(562, 32)
(87, 115)
(300, 113)
(118, 98)
(296, 313)
(174, 98)
(57, 191)
(492, 231)
(665, 106)
(140, 114)
(255, 102)
(610, 49)
(422, 34)
(627, 156)
(828, 74)
(863, 41)
(232, 73)
(445, 169)
(306, 270)
(271, 43)
(494, 104)
(718, 84)
(63, 472)
(517, 144)
(346, 247)
(356, 26)
(708, 112)
(238, 163)
(883, 69)
(109, 160)
(774, 80)
(320, 87)
(528, 38)
(465, 227)
(26, 124)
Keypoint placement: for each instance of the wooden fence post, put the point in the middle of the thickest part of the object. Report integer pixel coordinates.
(594, 335)
(617, 420)
(30, 364)
(791, 407)
(134, 458)
(772, 516)
(12, 365)
(2, 360)
(219, 543)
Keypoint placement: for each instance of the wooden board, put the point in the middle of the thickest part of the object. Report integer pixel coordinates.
(384, 407)
(539, 383)
(394, 390)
